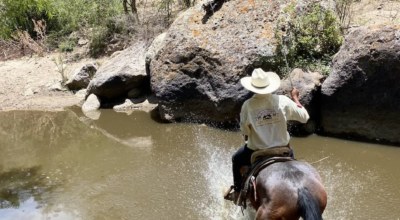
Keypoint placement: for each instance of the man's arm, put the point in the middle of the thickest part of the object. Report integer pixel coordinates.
(294, 109)
(244, 126)
(295, 96)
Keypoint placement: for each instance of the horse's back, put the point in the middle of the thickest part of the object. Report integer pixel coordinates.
(293, 173)
(283, 186)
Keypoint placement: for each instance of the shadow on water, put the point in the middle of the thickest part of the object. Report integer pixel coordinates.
(19, 185)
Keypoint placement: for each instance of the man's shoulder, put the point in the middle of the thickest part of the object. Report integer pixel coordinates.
(283, 97)
(285, 101)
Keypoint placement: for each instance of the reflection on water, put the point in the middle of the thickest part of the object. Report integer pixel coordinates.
(64, 165)
(31, 209)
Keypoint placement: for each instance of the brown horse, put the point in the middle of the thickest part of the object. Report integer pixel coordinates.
(287, 191)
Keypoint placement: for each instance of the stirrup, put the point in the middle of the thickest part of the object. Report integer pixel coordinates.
(230, 194)
(233, 196)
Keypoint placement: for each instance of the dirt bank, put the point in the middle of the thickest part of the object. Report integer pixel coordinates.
(33, 83)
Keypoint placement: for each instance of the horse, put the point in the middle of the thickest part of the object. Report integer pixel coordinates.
(287, 189)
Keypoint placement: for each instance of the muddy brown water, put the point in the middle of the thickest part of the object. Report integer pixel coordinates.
(63, 165)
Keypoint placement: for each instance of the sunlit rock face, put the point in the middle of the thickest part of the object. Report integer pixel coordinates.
(360, 98)
(309, 85)
(122, 73)
(196, 74)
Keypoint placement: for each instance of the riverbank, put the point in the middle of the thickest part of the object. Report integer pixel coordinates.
(34, 83)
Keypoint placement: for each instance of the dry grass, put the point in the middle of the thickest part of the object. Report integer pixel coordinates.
(10, 50)
(375, 12)
(153, 21)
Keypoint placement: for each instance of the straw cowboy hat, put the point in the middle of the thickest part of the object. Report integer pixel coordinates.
(261, 82)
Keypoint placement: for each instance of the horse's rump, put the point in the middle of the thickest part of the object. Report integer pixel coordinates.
(289, 190)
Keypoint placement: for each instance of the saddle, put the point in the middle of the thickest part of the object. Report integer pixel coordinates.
(259, 160)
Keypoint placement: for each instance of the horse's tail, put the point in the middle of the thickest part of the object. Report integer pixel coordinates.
(308, 205)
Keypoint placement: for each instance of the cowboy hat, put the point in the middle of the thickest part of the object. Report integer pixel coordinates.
(261, 82)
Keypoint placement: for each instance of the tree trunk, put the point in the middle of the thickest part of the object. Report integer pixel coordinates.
(125, 5)
(134, 11)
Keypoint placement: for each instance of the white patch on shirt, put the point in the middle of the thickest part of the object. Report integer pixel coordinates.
(266, 116)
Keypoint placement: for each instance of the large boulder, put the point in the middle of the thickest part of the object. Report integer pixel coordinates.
(124, 72)
(360, 98)
(196, 74)
(153, 49)
(309, 85)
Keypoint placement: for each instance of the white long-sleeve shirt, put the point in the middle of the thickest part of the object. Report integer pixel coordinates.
(263, 119)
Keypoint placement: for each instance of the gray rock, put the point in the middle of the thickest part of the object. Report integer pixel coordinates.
(57, 86)
(121, 74)
(360, 98)
(309, 86)
(82, 42)
(81, 94)
(81, 77)
(92, 103)
(153, 49)
(135, 104)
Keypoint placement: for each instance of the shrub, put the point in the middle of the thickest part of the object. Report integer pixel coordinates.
(62, 17)
(82, 13)
(18, 15)
(343, 11)
(309, 39)
(76, 14)
(98, 41)
(116, 31)
(67, 45)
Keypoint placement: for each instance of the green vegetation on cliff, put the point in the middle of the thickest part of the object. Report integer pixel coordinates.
(308, 39)
(46, 24)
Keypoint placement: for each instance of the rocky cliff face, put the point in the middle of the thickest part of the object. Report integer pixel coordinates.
(360, 98)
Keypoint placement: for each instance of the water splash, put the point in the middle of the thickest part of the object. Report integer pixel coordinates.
(218, 175)
(339, 180)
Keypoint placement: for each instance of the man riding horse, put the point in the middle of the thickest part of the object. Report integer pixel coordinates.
(263, 122)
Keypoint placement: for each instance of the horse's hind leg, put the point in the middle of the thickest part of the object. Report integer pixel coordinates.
(268, 211)
(264, 213)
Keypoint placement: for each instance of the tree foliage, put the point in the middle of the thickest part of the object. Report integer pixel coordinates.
(18, 15)
(60, 15)
(309, 38)
(65, 21)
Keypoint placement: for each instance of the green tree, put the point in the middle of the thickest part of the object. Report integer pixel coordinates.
(18, 15)
(310, 38)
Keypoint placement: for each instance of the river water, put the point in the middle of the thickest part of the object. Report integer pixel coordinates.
(64, 165)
